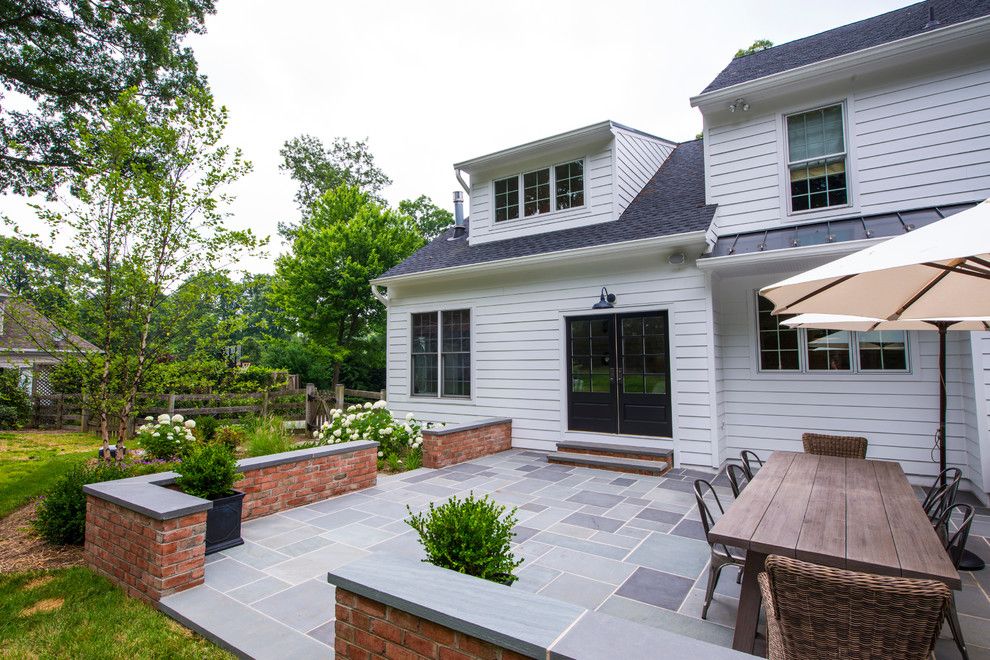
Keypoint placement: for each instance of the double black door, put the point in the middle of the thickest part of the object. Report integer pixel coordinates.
(619, 374)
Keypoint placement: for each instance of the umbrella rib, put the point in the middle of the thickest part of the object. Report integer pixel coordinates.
(814, 293)
(925, 289)
(962, 269)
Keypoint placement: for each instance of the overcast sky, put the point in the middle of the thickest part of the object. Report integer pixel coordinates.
(433, 83)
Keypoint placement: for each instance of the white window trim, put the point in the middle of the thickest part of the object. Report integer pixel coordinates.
(554, 211)
(412, 372)
(854, 370)
(783, 155)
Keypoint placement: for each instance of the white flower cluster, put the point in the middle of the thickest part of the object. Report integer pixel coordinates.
(168, 428)
(372, 421)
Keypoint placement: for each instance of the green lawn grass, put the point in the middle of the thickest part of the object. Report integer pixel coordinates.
(74, 613)
(31, 460)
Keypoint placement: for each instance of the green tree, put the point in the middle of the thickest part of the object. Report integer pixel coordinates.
(318, 169)
(48, 280)
(429, 218)
(758, 45)
(147, 215)
(62, 60)
(321, 286)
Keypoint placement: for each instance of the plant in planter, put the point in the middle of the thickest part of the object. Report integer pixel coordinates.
(209, 471)
(469, 536)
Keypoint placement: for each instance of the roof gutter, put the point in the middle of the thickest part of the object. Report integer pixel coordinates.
(952, 33)
(547, 257)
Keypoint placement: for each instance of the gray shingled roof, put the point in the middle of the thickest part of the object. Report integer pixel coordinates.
(898, 24)
(673, 202)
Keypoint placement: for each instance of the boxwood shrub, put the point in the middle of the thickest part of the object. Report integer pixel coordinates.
(61, 515)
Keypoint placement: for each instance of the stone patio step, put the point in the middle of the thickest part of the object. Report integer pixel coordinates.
(637, 452)
(650, 467)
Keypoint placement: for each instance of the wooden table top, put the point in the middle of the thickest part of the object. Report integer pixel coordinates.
(857, 514)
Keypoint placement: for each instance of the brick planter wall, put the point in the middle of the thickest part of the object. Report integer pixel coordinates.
(279, 486)
(368, 629)
(150, 539)
(149, 558)
(456, 444)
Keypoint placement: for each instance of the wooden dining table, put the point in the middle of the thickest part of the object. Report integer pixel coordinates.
(861, 515)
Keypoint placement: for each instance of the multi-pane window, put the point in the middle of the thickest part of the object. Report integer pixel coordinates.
(591, 350)
(816, 159)
(441, 353)
(570, 185)
(507, 199)
(556, 188)
(789, 349)
(644, 355)
(778, 343)
(536, 192)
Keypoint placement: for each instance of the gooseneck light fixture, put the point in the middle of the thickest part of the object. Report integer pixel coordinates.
(606, 301)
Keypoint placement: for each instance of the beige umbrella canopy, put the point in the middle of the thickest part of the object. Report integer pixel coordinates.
(864, 324)
(940, 271)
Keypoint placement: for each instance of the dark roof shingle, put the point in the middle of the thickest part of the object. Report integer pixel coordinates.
(874, 31)
(672, 202)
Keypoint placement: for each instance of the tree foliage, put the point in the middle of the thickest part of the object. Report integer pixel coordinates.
(63, 60)
(321, 286)
(758, 45)
(429, 218)
(318, 169)
(31, 271)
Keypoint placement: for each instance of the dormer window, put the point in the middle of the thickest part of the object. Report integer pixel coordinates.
(816, 159)
(556, 188)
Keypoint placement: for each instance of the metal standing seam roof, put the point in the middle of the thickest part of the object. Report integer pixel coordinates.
(672, 202)
(874, 31)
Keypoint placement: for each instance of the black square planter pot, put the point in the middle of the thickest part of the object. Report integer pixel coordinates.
(223, 523)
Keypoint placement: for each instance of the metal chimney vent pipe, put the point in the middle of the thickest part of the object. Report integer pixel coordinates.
(458, 214)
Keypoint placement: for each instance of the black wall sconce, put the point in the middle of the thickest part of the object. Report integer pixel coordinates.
(606, 301)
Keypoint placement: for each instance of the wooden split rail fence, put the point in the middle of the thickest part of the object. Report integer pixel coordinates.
(308, 407)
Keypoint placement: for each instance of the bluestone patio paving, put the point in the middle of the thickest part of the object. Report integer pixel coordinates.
(628, 546)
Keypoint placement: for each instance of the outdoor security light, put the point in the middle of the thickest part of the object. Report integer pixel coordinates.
(606, 301)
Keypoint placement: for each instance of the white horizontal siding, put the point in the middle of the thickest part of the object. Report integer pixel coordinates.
(637, 159)
(913, 141)
(517, 359)
(898, 413)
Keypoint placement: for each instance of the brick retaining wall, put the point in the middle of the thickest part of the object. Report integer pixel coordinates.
(456, 444)
(150, 539)
(366, 628)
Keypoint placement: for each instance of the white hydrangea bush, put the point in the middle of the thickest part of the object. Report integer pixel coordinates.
(373, 421)
(167, 437)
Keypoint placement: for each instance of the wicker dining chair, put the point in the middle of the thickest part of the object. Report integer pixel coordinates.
(722, 555)
(737, 478)
(842, 446)
(749, 460)
(955, 544)
(821, 612)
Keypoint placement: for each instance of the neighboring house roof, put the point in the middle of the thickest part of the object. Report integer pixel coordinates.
(874, 31)
(673, 202)
(25, 329)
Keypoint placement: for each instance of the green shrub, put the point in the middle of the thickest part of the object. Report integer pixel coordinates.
(15, 404)
(266, 435)
(206, 427)
(209, 471)
(399, 442)
(61, 515)
(230, 437)
(166, 438)
(469, 536)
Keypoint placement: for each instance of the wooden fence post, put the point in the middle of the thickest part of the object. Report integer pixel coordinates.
(381, 395)
(310, 406)
(264, 404)
(171, 405)
(338, 397)
(83, 417)
(59, 411)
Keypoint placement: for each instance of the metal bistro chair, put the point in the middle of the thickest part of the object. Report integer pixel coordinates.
(722, 555)
(737, 478)
(842, 446)
(954, 546)
(941, 497)
(822, 612)
(749, 459)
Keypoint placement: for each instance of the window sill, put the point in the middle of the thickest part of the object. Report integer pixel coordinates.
(839, 209)
(564, 214)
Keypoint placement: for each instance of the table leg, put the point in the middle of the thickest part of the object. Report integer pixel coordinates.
(748, 614)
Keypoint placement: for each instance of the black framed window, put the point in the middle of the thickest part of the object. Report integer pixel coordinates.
(816, 159)
(441, 353)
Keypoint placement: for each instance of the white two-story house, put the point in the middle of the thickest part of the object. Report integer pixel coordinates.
(603, 291)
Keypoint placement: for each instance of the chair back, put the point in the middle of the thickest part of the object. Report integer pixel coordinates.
(955, 543)
(821, 612)
(701, 489)
(941, 496)
(751, 462)
(737, 478)
(842, 446)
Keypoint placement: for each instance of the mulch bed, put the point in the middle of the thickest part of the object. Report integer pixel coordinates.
(22, 550)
